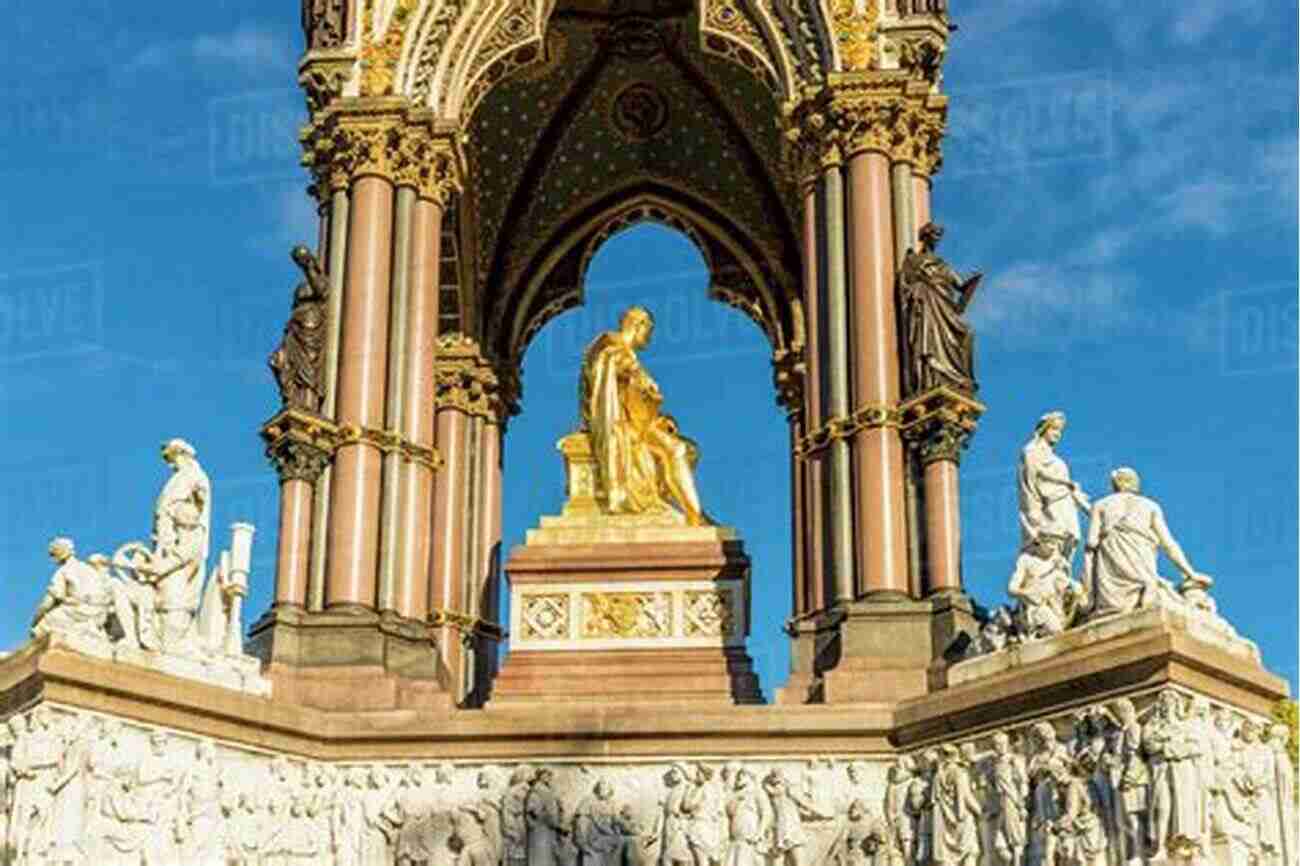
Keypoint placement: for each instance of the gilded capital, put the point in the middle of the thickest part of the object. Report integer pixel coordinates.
(299, 444)
(939, 424)
(889, 112)
(465, 380)
(381, 137)
(788, 372)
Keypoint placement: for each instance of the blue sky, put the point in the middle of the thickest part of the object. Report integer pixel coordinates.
(1125, 174)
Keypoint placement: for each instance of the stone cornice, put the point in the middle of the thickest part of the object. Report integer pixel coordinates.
(382, 137)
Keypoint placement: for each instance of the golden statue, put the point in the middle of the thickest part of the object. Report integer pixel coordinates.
(643, 465)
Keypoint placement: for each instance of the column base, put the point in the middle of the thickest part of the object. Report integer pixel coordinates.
(350, 659)
(880, 648)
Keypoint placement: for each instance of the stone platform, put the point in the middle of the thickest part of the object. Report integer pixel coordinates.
(628, 611)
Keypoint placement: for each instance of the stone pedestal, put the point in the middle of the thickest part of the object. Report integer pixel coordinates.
(350, 660)
(603, 612)
(878, 649)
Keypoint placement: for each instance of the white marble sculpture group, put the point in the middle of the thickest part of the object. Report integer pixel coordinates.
(1126, 533)
(153, 604)
(1180, 782)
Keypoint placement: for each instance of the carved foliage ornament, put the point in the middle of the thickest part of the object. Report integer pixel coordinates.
(884, 112)
(465, 380)
(855, 32)
(381, 139)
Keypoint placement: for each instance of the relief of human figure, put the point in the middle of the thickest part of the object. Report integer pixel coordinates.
(1177, 814)
(35, 758)
(1048, 754)
(514, 817)
(77, 601)
(643, 463)
(1237, 800)
(1050, 500)
(705, 803)
(674, 819)
(957, 812)
(1079, 825)
(350, 819)
(382, 820)
(597, 829)
(902, 790)
(201, 827)
(939, 343)
(1259, 765)
(745, 822)
(545, 820)
(1125, 533)
(1133, 791)
(1285, 786)
(473, 836)
(1009, 796)
(927, 767)
(788, 840)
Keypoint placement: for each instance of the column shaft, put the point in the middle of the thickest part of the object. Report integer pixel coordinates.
(416, 479)
(391, 540)
(878, 452)
(354, 533)
(813, 527)
(800, 603)
(905, 227)
(837, 370)
(338, 244)
(448, 530)
(920, 203)
(943, 526)
(294, 546)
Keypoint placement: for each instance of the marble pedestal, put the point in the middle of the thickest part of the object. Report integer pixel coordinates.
(606, 609)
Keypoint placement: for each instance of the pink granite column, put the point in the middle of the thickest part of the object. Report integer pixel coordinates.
(416, 479)
(802, 603)
(881, 542)
(920, 201)
(363, 358)
(813, 527)
(294, 550)
(450, 507)
(943, 526)
(488, 570)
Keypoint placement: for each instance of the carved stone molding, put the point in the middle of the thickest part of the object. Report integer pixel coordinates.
(939, 423)
(390, 442)
(323, 75)
(871, 417)
(382, 137)
(887, 112)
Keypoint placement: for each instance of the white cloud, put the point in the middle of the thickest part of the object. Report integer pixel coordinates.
(1032, 302)
(248, 49)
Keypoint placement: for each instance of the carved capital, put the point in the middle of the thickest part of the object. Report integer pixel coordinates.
(298, 461)
(939, 424)
(299, 444)
(467, 381)
(887, 112)
(322, 77)
(382, 138)
(789, 369)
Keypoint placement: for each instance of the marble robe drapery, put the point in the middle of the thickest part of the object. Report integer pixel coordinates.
(1125, 543)
(956, 816)
(1046, 495)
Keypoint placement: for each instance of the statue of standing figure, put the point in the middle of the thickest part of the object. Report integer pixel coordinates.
(940, 345)
(298, 362)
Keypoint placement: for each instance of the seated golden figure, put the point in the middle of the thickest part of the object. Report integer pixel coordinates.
(643, 464)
